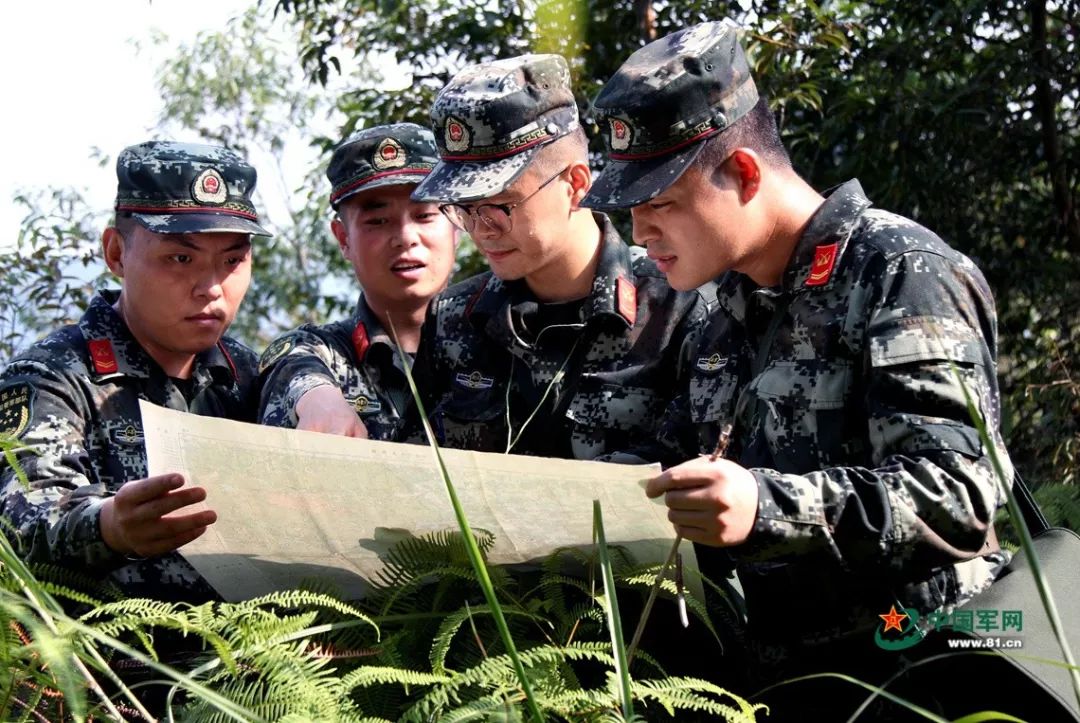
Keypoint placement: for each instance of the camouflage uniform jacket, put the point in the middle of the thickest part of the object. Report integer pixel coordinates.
(74, 398)
(618, 359)
(873, 485)
(357, 356)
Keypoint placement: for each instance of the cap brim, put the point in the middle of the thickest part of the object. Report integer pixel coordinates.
(623, 184)
(454, 181)
(198, 223)
(395, 179)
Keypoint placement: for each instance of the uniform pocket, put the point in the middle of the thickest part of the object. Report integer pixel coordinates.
(712, 397)
(806, 416)
(467, 419)
(612, 406)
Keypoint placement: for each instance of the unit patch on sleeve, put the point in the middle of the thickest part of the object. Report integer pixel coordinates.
(274, 352)
(16, 408)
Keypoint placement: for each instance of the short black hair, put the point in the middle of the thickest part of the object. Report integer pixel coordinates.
(756, 130)
(560, 153)
(126, 224)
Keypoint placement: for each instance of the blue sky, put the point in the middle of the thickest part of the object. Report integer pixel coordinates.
(73, 80)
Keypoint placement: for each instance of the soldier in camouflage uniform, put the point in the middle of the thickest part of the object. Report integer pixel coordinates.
(346, 377)
(567, 347)
(838, 350)
(181, 244)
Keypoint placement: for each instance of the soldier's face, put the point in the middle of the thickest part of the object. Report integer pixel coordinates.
(538, 238)
(694, 230)
(180, 291)
(402, 251)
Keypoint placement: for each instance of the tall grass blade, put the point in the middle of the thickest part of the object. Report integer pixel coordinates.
(475, 556)
(1025, 537)
(611, 609)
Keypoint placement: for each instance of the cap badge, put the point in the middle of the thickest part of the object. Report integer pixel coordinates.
(621, 133)
(457, 135)
(821, 270)
(209, 187)
(388, 154)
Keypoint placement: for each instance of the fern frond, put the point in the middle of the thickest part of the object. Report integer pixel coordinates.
(299, 598)
(408, 586)
(684, 693)
(376, 674)
(440, 646)
(485, 708)
(149, 610)
(647, 578)
(498, 673)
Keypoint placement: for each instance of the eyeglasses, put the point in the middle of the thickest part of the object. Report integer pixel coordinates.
(495, 216)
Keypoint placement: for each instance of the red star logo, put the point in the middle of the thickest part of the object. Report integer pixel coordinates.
(210, 184)
(456, 132)
(893, 619)
(389, 152)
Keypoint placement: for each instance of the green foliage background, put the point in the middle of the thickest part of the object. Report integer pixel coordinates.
(962, 115)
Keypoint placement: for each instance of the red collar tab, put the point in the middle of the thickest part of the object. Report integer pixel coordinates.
(228, 358)
(360, 341)
(821, 270)
(102, 356)
(627, 299)
(471, 303)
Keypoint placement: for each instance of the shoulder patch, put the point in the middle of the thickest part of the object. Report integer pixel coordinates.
(277, 349)
(16, 408)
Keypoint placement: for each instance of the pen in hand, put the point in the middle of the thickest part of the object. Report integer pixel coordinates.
(721, 449)
(675, 557)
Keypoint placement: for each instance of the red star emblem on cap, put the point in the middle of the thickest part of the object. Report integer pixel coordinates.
(210, 184)
(389, 152)
(455, 130)
(893, 619)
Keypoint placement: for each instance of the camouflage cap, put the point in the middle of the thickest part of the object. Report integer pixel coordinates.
(490, 120)
(662, 104)
(381, 156)
(186, 188)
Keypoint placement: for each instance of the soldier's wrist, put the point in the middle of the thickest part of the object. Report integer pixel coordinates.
(111, 535)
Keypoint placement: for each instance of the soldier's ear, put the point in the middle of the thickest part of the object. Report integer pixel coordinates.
(580, 178)
(112, 248)
(337, 227)
(747, 167)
